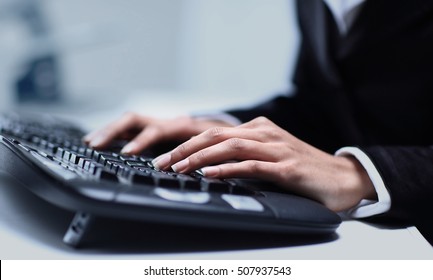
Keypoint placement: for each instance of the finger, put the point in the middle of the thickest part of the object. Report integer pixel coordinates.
(209, 138)
(231, 149)
(147, 137)
(89, 136)
(244, 169)
(103, 137)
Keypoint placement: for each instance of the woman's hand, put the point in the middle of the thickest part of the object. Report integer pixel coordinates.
(143, 131)
(260, 149)
(257, 149)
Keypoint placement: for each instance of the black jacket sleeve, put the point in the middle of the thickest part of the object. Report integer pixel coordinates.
(408, 175)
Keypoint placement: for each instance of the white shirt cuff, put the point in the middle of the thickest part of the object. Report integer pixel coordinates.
(367, 208)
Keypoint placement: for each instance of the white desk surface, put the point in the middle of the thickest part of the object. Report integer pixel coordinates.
(23, 235)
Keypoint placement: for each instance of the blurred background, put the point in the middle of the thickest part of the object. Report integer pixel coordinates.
(68, 56)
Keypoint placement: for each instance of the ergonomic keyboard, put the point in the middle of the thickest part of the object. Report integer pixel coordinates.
(47, 156)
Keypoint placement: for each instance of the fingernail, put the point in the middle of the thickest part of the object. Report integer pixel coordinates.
(129, 148)
(87, 137)
(97, 141)
(162, 161)
(210, 171)
(181, 165)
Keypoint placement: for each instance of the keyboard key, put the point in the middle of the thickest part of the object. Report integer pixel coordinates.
(215, 185)
(89, 152)
(189, 183)
(67, 144)
(127, 158)
(123, 171)
(75, 158)
(87, 164)
(137, 163)
(59, 153)
(146, 159)
(94, 167)
(82, 161)
(43, 143)
(35, 140)
(67, 155)
(113, 165)
(142, 178)
(103, 157)
(178, 196)
(103, 174)
(62, 171)
(95, 155)
(245, 203)
(165, 180)
(242, 191)
(51, 148)
(74, 148)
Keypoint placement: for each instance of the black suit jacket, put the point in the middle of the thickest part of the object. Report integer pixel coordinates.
(372, 88)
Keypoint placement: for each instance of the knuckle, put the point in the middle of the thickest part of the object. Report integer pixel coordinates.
(272, 133)
(288, 171)
(182, 150)
(220, 172)
(215, 132)
(261, 120)
(199, 156)
(235, 144)
(254, 166)
(283, 172)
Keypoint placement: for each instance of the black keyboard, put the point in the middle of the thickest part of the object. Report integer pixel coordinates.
(48, 157)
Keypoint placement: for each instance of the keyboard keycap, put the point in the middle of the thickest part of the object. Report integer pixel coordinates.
(215, 185)
(142, 178)
(103, 158)
(137, 163)
(75, 158)
(165, 180)
(189, 183)
(103, 174)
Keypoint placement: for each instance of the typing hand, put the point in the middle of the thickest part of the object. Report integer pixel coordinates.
(144, 131)
(260, 149)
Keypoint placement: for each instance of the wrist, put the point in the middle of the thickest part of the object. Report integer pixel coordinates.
(353, 185)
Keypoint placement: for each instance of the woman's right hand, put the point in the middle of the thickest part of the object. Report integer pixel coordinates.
(143, 131)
